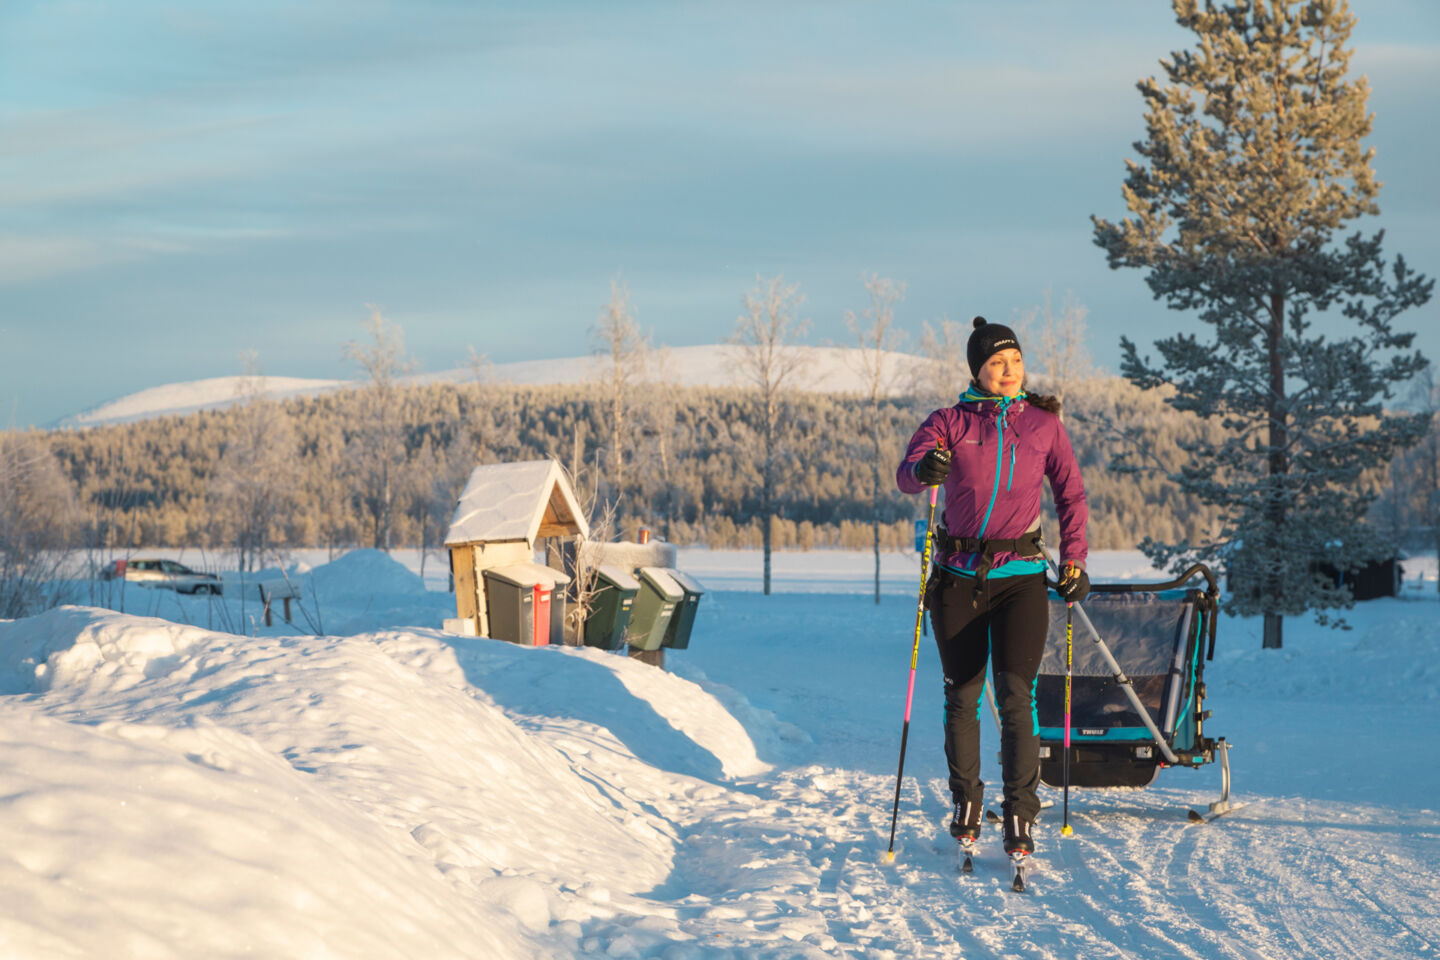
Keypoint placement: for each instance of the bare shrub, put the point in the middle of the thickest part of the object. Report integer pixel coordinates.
(37, 522)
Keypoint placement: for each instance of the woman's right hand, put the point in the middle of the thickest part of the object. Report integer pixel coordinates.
(934, 467)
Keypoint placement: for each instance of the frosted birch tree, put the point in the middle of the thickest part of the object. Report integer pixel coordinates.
(38, 520)
(876, 337)
(254, 487)
(945, 372)
(378, 449)
(1055, 348)
(622, 346)
(765, 338)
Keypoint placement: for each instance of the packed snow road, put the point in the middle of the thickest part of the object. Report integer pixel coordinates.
(167, 790)
(1334, 856)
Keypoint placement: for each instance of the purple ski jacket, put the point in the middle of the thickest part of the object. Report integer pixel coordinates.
(1000, 456)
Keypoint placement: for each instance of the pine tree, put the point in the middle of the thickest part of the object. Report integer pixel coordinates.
(1251, 166)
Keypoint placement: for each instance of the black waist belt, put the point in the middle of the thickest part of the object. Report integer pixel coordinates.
(1026, 545)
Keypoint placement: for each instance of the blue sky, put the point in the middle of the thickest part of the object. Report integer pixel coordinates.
(183, 181)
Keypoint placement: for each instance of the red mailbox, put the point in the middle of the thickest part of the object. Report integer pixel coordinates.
(522, 602)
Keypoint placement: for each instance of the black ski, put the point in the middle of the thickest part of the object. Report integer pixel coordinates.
(1195, 816)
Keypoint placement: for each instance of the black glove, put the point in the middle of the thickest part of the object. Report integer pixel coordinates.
(934, 467)
(1074, 584)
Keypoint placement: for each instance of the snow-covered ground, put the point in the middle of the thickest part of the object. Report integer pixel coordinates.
(178, 781)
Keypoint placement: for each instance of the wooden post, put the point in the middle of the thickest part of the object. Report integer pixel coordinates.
(462, 562)
(287, 609)
(265, 596)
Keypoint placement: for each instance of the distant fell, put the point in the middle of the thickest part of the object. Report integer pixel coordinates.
(828, 370)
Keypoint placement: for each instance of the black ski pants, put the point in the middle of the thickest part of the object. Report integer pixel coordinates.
(1004, 622)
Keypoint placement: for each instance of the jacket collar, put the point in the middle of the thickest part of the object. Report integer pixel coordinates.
(990, 403)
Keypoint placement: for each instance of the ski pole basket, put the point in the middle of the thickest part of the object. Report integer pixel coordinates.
(1137, 688)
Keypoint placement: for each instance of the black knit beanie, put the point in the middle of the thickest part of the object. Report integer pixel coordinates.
(988, 340)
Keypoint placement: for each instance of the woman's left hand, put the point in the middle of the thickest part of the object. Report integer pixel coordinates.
(1074, 584)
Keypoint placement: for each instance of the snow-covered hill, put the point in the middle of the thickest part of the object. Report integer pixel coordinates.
(826, 369)
(171, 790)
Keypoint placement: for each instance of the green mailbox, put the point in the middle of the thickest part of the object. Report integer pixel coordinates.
(611, 607)
(677, 636)
(655, 605)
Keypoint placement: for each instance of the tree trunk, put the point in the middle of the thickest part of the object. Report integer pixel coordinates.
(668, 490)
(1278, 464)
(577, 456)
(1273, 624)
(767, 481)
(765, 547)
(766, 512)
(617, 467)
(875, 514)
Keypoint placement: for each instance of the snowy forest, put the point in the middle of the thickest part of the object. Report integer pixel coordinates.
(262, 476)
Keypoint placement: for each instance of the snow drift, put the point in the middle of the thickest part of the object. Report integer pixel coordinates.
(171, 791)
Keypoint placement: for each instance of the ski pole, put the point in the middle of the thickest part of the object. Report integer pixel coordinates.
(1066, 830)
(914, 658)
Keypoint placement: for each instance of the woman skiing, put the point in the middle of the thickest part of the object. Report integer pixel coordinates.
(987, 594)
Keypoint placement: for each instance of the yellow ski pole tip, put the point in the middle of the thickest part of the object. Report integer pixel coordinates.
(1067, 830)
(889, 857)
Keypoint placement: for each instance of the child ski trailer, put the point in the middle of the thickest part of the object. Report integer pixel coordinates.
(992, 452)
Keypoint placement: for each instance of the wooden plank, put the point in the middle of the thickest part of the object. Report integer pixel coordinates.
(462, 563)
(557, 521)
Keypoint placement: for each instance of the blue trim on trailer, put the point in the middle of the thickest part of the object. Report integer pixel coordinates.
(1114, 733)
(1187, 715)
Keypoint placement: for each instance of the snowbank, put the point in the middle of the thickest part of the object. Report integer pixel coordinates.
(364, 573)
(171, 791)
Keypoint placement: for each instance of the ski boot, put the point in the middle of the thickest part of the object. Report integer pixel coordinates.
(965, 828)
(1018, 847)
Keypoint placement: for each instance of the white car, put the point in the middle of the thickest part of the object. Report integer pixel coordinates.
(163, 575)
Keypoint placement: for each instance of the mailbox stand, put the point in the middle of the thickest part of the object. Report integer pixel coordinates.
(503, 510)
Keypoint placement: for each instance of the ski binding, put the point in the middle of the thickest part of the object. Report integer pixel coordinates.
(1020, 869)
(968, 850)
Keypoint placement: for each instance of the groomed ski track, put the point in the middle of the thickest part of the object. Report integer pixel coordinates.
(794, 867)
(1332, 850)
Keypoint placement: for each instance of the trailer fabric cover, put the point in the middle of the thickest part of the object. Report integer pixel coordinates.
(1149, 634)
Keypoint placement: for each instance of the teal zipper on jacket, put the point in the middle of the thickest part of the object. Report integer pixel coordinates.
(1003, 405)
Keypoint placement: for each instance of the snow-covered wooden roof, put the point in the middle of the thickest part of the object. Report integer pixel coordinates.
(516, 501)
